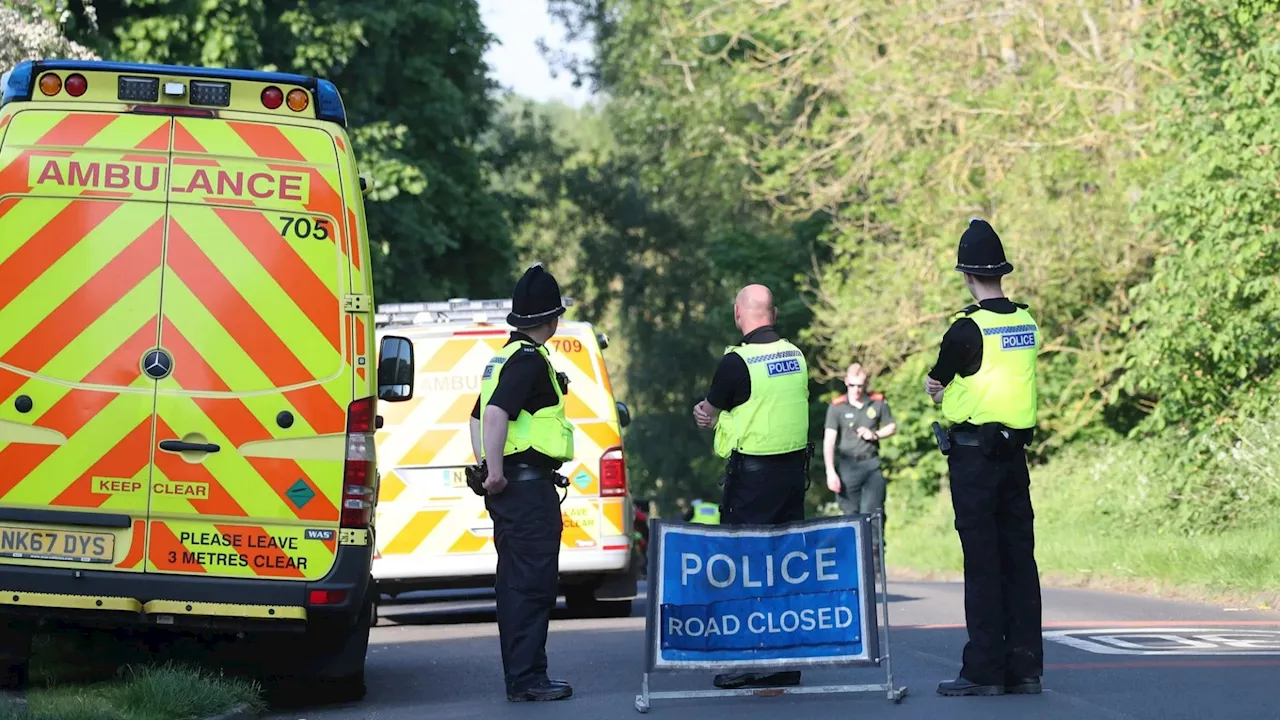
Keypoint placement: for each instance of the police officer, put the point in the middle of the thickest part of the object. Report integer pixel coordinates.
(705, 513)
(519, 429)
(985, 380)
(759, 406)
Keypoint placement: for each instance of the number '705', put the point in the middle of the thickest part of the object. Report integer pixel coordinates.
(303, 228)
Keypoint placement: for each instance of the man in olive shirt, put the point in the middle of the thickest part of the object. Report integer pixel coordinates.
(850, 447)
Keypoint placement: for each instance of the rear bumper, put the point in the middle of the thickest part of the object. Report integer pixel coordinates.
(396, 574)
(116, 599)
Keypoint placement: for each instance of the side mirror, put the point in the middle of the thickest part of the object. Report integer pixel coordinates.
(624, 415)
(395, 369)
(364, 185)
(603, 340)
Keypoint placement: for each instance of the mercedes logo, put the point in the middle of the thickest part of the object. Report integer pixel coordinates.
(157, 364)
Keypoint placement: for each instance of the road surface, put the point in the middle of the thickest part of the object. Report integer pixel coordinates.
(1107, 658)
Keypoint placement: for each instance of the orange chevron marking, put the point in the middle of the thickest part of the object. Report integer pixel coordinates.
(266, 141)
(414, 532)
(576, 409)
(602, 434)
(448, 355)
(176, 469)
(120, 275)
(315, 299)
(158, 140)
(470, 542)
(15, 177)
(49, 244)
(254, 336)
(460, 411)
(353, 238)
(184, 141)
(427, 447)
(76, 129)
(137, 542)
(240, 426)
(390, 487)
(274, 567)
(162, 542)
(129, 457)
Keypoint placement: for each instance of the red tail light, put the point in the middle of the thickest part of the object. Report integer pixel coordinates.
(360, 471)
(272, 97)
(613, 473)
(76, 85)
(327, 597)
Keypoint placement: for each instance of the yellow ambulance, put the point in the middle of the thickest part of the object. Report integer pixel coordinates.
(433, 531)
(187, 389)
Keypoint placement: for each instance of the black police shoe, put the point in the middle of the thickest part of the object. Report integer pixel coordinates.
(542, 692)
(779, 679)
(960, 686)
(1022, 685)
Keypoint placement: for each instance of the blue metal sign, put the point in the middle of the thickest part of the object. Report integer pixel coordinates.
(760, 597)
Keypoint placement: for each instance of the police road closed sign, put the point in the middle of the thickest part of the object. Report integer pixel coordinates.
(789, 596)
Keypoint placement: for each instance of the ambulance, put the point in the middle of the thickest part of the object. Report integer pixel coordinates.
(187, 388)
(433, 531)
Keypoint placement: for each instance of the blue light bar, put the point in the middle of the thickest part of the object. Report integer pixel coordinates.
(17, 83)
(20, 82)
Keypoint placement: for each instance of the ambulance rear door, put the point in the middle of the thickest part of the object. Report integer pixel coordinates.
(250, 422)
(82, 227)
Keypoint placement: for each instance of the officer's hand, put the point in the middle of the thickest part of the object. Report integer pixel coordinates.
(701, 415)
(931, 387)
(833, 481)
(868, 434)
(495, 483)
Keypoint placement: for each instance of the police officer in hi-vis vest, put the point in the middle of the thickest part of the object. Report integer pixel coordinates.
(759, 406)
(519, 431)
(985, 380)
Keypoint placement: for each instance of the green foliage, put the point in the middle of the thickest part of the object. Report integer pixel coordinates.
(1204, 335)
(416, 91)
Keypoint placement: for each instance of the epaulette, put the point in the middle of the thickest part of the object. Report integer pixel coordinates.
(1024, 306)
(967, 311)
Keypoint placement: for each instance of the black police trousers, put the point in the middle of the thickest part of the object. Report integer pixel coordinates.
(763, 489)
(992, 503)
(526, 531)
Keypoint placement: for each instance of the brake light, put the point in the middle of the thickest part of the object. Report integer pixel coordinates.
(360, 469)
(76, 85)
(613, 473)
(272, 97)
(327, 597)
(172, 110)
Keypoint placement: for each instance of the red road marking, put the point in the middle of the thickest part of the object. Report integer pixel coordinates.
(1094, 624)
(1162, 664)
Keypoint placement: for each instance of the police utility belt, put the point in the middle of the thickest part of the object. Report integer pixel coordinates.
(514, 472)
(996, 440)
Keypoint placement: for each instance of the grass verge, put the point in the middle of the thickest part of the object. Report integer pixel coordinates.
(92, 678)
(1091, 532)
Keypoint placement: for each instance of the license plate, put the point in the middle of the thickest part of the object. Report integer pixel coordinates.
(66, 545)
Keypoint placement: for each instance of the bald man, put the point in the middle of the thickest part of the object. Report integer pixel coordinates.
(759, 406)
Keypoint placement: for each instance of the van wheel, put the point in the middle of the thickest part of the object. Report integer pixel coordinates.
(339, 650)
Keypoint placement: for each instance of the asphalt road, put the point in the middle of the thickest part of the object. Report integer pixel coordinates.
(1108, 657)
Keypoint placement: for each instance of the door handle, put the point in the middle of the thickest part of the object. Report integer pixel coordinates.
(183, 446)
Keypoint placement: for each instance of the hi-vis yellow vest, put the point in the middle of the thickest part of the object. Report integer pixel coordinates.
(706, 514)
(546, 430)
(775, 419)
(1004, 388)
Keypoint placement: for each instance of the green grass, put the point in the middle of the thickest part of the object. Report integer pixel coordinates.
(1105, 518)
(96, 677)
